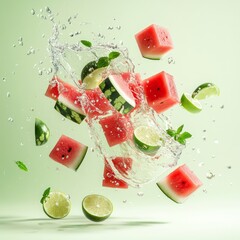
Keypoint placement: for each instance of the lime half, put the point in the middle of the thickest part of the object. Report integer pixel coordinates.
(206, 90)
(96, 207)
(57, 205)
(146, 139)
(190, 104)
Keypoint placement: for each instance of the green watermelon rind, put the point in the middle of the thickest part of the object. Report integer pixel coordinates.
(117, 100)
(81, 157)
(89, 68)
(152, 57)
(69, 113)
(42, 132)
(165, 188)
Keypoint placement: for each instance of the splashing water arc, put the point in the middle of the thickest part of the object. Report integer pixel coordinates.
(68, 61)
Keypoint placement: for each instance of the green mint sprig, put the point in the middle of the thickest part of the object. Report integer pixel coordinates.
(105, 61)
(22, 166)
(178, 135)
(45, 195)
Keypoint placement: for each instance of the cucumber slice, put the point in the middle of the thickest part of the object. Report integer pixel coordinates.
(96, 207)
(42, 132)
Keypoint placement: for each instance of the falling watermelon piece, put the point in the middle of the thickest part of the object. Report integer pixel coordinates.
(69, 105)
(55, 87)
(123, 165)
(68, 152)
(117, 128)
(160, 91)
(154, 41)
(179, 184)
(117, 91)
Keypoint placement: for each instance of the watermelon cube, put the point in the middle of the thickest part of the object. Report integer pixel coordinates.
(97, 104)
(179, 184)
(69, 105)
(117, 128)
(55, 87)
(154, 41)
(68, 152)
(160, 91)
(123, 165)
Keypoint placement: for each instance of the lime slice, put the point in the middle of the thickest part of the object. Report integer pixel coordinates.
(97, 208)
(190, 104)
(57, 205)
(146, 139)
(93, 79)
(206, 90)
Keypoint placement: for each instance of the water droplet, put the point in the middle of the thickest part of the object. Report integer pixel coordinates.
(198, 151)
(110, 28)
(32, 109)
(216, 141)
(40, 155)
(201, 164)
(68, 197)
(40, 72)
(92, 149)
(64, 27)
(43, 35)
(204, 138)
(63, 119)
(69, 20)
(33, 12)
(204, 190)
(222, 107)
(171, 60)
(20, 41)
(57, 204)
(21, 144)
(140, 194)
(4, 79)
(204, 130)
(210, 175)
(14, 45)
(48, 10)
(118, 27)
(124, 201)
(8, 94)
(229, 167)
(10, 119)
(57, 149)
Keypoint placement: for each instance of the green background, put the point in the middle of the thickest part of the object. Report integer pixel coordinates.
(206, 37)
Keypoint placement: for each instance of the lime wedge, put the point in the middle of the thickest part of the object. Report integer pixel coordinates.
(57, 205)
(93, 79)
(146, 139)
(206, 90)
(190, 104)
(96, 207)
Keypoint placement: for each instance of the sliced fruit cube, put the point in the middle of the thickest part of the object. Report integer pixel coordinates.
(117, 91)
(68, 104)
(154, 41)
(68, 152)
(117, 128)
(160, 91)
(55, 87)
(109, 178)
(179, 184)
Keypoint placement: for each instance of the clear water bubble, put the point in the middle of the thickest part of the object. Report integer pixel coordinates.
(140, 194)
(110, 28)
(201, 164)
(204, 138)
(118, 27)
(21, 144)
(171, 60)
(63, 27)
(124, 201)
(40, 72)
(43, 35)
(8, 94)
(41, 10)
(68, 197)
(210, 175)
(20, 41)
(229, 167)
(63, 119)
(10, 119)
(69, 20)
(4, 79)
(14, 45)
(222, 107)
(204, 130)
(48, 10)
(33, 11)
(216, 141)
(204, 190)
(213, 156)
(92, 149)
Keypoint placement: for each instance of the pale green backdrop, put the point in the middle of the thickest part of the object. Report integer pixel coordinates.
(206, 36)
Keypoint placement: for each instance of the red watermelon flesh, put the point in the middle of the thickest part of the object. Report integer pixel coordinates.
(55, 87)
(68, 152)
(179, 184)
(160, 91)
(117, 128)
(154, 41)
(123, 165)
(98, 103)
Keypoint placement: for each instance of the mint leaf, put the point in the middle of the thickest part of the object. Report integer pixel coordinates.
(86, 43)
(181, 141)
(185, 135)
(22, 166)
(113, 55)
(179, 130)
(103, 62)
(45, 194)
(171, 132)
